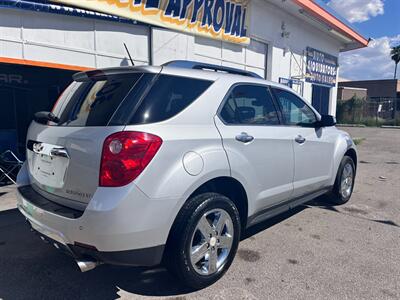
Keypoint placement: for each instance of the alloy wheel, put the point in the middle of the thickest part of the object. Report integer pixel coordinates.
(211, 242)
(346, 184)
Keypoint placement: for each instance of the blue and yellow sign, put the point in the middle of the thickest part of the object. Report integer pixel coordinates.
(225, 20)
(322, 67)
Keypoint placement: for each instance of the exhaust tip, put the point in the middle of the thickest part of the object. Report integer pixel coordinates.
(87, 265)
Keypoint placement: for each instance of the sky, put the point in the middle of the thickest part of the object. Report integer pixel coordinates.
(375, 19)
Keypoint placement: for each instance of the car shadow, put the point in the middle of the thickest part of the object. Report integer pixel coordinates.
(323, 203)
(255, 229)
(31, 268)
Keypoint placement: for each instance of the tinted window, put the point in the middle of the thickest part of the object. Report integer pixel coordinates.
(168, 96)
(294, 110)
(92, 103)
(127, 109)
(251, 105)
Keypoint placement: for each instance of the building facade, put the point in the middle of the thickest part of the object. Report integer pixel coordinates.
(376, 89)
(42, 43)
(346, 93)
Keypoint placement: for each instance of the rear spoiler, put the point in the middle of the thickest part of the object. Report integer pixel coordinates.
(101, 74)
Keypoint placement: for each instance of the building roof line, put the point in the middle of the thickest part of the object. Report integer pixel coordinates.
(352, 88)
(325, 16)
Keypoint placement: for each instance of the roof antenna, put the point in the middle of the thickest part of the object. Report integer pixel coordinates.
(130, 57)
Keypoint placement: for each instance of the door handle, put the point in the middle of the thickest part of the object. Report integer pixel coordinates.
(61, 152)
(244, 137)
(300, 139)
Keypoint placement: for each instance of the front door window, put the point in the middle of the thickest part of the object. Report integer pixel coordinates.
(295, 111)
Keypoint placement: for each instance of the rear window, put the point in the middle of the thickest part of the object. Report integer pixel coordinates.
(168, 96)
(130, 99)
(92, 103)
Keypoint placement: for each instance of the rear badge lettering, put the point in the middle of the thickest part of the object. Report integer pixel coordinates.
(79, 194)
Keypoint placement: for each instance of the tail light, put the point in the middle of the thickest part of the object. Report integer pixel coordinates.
(125, 155)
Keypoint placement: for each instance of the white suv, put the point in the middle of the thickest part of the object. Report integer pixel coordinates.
(140, 165)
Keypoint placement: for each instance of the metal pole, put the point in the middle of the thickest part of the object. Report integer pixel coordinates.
(150, 45)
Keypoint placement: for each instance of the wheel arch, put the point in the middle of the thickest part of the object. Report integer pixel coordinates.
(227, 186)
(231, 188)
(353, 155)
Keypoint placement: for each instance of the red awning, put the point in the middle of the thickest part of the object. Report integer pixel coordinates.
(319, 12)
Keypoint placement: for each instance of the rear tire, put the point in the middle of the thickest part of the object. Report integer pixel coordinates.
(344, 183)
(203, 240)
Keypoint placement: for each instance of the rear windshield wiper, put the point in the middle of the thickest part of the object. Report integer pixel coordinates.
(43, 117)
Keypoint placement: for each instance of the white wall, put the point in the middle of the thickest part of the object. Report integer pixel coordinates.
(169, 45)
(70, 40)
(266, 21)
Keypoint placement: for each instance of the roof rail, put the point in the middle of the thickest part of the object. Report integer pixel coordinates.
(188, 64)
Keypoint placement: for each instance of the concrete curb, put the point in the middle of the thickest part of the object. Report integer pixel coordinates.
(351, 125)
(390, 127)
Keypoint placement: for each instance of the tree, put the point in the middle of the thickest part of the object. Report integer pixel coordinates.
(395, 54)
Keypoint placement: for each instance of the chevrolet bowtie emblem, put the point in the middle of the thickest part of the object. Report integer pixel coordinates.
(38, 147)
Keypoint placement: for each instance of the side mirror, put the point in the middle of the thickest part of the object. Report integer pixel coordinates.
(326, 121)
(43, 117)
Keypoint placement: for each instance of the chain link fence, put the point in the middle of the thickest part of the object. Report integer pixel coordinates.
(369, 112)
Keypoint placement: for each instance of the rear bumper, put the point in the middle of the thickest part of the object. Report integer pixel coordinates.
(138, 257)
(119, 226)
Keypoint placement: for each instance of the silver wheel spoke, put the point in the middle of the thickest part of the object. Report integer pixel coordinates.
(346, 183)
(343, 185)
(225, 242)
(198, 253)
(346, 171)
(204, 227)
(212, 261)
(221, 222)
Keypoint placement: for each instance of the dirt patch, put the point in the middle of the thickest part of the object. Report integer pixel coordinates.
(249, 280)
(355, 210)
(316, 236)
(381, 204)
(249, 255)
(388, 293)
(293, 261)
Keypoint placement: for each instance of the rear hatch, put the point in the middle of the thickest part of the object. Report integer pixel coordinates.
(64, 157)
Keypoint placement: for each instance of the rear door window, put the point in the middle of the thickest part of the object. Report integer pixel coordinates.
(168, 96)
(93, 102)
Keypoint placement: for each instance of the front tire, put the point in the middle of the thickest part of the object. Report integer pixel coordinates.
(344, 183)
(203, 240)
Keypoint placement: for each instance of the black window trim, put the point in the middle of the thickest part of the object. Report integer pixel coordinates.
(285, 123)
(274, 103)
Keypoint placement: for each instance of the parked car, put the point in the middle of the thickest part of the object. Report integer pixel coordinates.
(142, 165)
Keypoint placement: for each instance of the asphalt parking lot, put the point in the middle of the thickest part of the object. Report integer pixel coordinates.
(313, 252)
